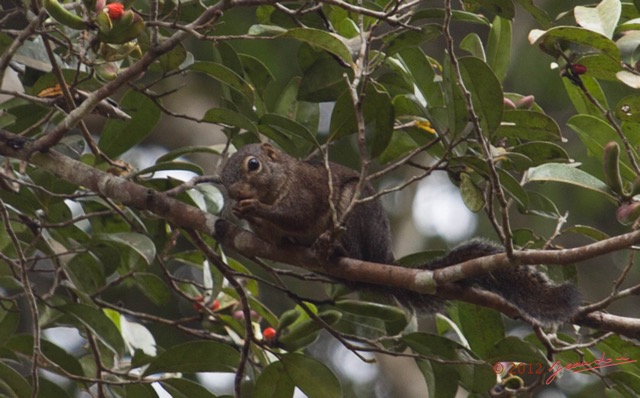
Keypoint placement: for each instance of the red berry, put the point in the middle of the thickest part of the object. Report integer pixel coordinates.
(578, 69)
(215, 305)
(197, 305)
(115, 10)
(269, 334)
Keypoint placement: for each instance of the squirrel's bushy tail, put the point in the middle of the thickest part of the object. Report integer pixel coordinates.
(529, 290)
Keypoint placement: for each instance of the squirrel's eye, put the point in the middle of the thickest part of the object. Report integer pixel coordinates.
(253, 164)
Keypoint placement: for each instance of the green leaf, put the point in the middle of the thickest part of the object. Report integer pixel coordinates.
(185, 388)
(12, 384)
(513, 187)
(503, 8)
(423, 74)
(628, 108)
(579, 36)
(227, 77)
(473, 45)
(602, 18)
(583, 104)
(412, 38)
(373, 310)
(118, 136)
(49, 389)
(311, 376)
(529, 126)
(486, 92)
(228, 117)
(542, 152)
(321, 39)
(625, 383)
(173, 59)
(587, 231)
(566, 174)
(615, 347)
(595, 134)
(456, 15)
(473, 320)
(98, 323)
(540, 15)
(378, 115)
(274, 382)
(23, 344)
(153, 287)
(131, 241)
(601, 67)
(195, 356)
(514, 349)
(471, 195)
(499, 47)
(9, 320)
(289, 127)
(258, 73)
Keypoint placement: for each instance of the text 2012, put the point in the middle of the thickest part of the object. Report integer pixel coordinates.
(520, 368)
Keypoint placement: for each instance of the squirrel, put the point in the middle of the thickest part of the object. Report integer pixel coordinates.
(286, 201)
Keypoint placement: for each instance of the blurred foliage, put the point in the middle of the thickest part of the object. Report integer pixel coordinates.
(147, 304)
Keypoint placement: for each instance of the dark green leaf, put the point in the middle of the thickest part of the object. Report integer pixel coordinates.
(23, 344)
(225, 76)
(258, 73)
(456, 15)
(185, 388)
(274, 382)
(12, 384)
(118, 136)
(542, 152)
(471, 195)
(321, 39)
(229, 117)
(173, 59)
(567, 174)
(582, 37)
(473, 320)
(49, 389)
(499, 47)
(96, 321)
(153, 287)
(473, 45)
(311, 376)
(588, 231)
(195, 356)
(515, 349)
(529, 126)
(412, 38)
(503, 8)
(131, 241)
(595, 134)
(323, 81)
(424, 76)
(580, 101)
(628, 108)
(486, 92)
(9, 319)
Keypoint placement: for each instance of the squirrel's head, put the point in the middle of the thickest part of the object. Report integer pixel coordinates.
(253, 172)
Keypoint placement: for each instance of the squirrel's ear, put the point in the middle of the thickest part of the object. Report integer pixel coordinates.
(270, 151)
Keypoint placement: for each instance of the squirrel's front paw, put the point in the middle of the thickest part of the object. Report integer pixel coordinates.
(246, 207)
(327, 248)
